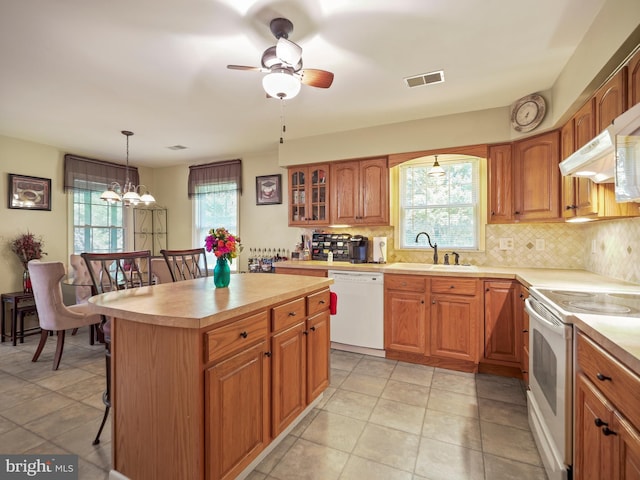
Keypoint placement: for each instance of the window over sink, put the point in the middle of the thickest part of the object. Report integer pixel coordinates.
(447, 207)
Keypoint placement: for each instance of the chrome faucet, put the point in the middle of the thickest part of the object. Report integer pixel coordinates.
(432, 245)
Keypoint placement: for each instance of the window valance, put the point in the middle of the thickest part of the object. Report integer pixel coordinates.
(88, 174)
(215, 177)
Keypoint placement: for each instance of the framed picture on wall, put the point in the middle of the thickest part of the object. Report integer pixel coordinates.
(269, 189)
(29, 193)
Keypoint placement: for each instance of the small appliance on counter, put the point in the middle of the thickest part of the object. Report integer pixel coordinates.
(379, 250)
(358, 249)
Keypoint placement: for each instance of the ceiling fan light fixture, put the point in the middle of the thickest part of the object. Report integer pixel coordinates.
(280, 83)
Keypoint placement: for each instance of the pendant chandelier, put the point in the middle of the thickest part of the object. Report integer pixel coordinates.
(436, 170)
(128, 193)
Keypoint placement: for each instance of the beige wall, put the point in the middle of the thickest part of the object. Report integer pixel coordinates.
(26, 158)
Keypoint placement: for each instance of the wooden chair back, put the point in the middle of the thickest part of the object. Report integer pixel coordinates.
(186, 264)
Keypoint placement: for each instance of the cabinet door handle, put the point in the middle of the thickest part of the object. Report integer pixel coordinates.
(487, 289)
(267, 354)
(525, 331)
(244, 334)
(313, 329)
(433, 301)
(524, 371)
(305, 332)
(599, 423)
(321, 302)
(452, 286)
(602, 377)
(292, 314)
(422, 302)
(516, 213)
(607, 431)
(492, 212)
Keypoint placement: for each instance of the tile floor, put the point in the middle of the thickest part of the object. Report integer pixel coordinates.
(379, 419)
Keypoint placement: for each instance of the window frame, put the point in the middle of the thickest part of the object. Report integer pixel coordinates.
(480, 175)
(199, 232)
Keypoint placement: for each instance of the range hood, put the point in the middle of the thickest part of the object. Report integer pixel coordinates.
(597, 159)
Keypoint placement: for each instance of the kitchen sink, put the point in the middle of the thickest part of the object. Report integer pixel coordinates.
(451, 268)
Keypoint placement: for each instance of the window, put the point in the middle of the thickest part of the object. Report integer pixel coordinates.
(447, 208)
(97, 225)
(216, 189)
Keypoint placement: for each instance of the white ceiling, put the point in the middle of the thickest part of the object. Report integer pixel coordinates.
(74, 73)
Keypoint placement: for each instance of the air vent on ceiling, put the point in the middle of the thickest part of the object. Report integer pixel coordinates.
(177, 147)
(425, 79)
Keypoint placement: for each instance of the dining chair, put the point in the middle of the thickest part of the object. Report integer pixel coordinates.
(111, 272)
(53, 314)
(186, 264)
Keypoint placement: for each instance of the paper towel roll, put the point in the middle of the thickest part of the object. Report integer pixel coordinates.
(380, 249)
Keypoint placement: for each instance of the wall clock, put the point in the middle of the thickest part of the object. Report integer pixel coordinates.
(528, 112)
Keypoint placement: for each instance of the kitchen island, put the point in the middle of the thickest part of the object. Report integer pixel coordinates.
(198, 373)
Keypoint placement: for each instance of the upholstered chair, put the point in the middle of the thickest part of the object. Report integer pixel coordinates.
(160, 271)
(53, 314)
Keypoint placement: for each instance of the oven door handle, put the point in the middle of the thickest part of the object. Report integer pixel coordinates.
(558, 328)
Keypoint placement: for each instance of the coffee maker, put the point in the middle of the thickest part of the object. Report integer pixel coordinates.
(358, 246)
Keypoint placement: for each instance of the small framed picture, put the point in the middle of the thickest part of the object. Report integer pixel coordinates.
(29, 193)
(269, 189)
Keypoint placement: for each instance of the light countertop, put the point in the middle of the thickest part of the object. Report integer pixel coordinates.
(198, 304)
(619, 335)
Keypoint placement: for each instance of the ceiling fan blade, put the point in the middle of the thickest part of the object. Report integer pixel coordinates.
(287, 51)
(244, 67)
(316, 78)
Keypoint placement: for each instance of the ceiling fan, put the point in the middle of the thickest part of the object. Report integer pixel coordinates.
(283, 65)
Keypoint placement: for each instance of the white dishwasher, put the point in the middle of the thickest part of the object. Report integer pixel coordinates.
(358, 325)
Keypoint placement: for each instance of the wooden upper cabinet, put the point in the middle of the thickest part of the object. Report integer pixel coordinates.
(309, 195)
(537, 178)
(360, 192)
(633, 80)
(579, 195)
(610, 100)
(500, 178)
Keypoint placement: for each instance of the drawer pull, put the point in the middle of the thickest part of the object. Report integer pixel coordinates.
(313, 329)
(244, 334)
(607, 431)
(321, 302)
(600, 423)
(525, 331)
(602, 377)
(452, 286)
(292, 314)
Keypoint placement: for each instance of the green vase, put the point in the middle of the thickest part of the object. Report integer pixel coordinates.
(221, 273)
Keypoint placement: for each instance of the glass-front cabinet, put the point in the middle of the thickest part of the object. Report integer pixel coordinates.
(309, 195)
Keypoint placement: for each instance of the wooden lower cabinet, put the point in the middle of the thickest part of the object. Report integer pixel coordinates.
(502, 323)
(523, 295)
(405, 313)
(288, 379)
(318, 351)
(237, 414)
(455, 319)
(606, 414)
(300, 359)
(433, 320)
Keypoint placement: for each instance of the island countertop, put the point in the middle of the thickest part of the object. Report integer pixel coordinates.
(199, 304)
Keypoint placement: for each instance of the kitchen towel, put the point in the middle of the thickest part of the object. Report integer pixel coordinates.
(333, 303)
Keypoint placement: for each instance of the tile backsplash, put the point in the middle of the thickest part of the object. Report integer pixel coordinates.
(545, 245)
